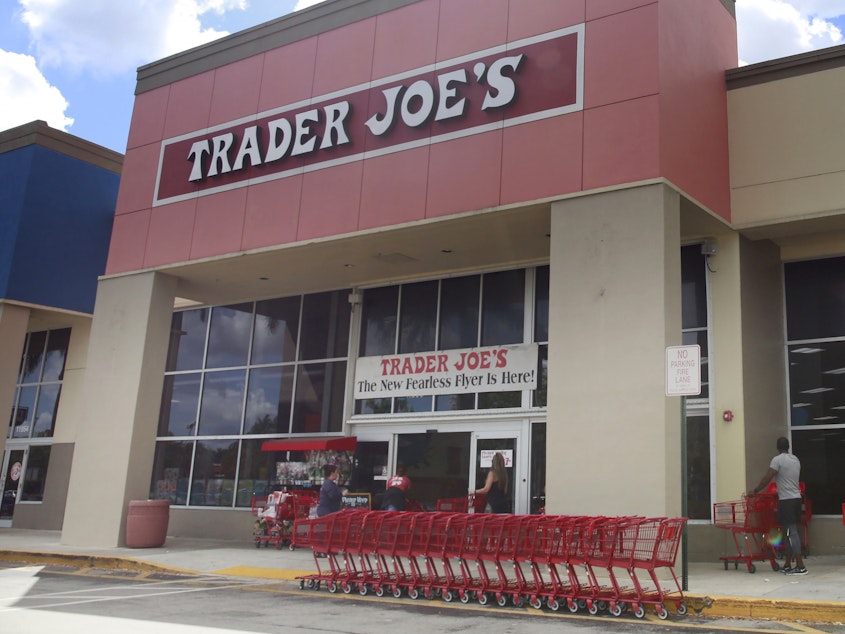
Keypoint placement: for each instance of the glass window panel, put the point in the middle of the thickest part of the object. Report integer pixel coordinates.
(45, 413)
(187, 339)
(213, 480)
(257, 473)
(378, 328)
(541, 393)
(541, 304)
(693, 288)
(228, 339)
(34, 357)
(537, 484)
(822, 456)
(817, 383)
(54, 361)
(413, 404)
(503, 308)
(269, 400)
(325, 325)
(276, 328)
(418, 317)
(179, 401)
(459, 312)
(171, 470)
(698, 467)
(25, 413)
(454, 402)
(373, 406)
(32, 489)
(815, 298)
(222, 403)
(18, 416)
(318, 405)
(498, 400)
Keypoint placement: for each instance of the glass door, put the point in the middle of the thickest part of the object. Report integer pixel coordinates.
(484, 446)
(13, 463)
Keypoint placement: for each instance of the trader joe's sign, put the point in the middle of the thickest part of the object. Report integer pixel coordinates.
(492, 369)
(525, 80)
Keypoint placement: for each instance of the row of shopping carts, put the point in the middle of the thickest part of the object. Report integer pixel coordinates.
(276, 513)
(597, 564)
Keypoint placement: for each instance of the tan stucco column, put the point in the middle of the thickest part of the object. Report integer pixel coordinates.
(13, 324)
(113, 456)
(614, 438)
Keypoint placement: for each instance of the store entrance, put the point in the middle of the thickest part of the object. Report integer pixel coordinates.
(13, 462)
(484, 447)
(438, 465)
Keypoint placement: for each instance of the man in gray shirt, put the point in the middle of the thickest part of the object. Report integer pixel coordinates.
(785, 468)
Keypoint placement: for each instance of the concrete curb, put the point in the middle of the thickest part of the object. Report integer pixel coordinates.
(703, 605)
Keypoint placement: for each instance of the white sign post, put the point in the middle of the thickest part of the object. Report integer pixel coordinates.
(683, 370)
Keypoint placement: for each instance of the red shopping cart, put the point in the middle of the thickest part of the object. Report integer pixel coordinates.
(751, 523)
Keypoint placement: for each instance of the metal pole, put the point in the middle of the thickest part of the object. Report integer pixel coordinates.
(684, 485)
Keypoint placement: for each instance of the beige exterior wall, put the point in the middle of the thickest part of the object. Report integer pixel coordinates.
(614, 440)
(115, 441)
(786, 142)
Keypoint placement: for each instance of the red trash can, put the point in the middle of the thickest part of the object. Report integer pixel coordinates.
(146, 523)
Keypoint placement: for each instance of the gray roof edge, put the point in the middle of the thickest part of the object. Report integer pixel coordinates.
(323, 17)
(39, 133)
(786, 67)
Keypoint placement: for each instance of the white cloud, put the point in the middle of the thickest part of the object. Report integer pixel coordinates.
(25, 95)
(304, 4)
(109, 37)
(769, 29)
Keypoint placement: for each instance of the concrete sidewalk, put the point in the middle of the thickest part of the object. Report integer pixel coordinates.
(818, 597)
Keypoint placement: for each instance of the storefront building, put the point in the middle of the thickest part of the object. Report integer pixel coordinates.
(422, 231)
(57, 198)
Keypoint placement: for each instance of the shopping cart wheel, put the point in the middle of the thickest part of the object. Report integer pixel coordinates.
(517, 600)
(397, 592)
(413, 593)
(379, 591)
(573, 606)
(726, 564)
(363, 589)
(463, 596)
(301, 584)
(310, 584)
(752, 568)
(448, 596)
(501, 600)
(291, 547)
(483, 599)
(536, 603)
(639, 611)
(615, 609)
(346, 587)
(554, 604)
(662, 612)
(592, 608)
(682, 609)
(332, 586)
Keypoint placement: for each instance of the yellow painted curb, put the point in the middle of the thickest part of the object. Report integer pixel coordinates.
(771, 609)
(263, 573)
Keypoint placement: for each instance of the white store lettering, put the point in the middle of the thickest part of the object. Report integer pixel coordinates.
(300, 135)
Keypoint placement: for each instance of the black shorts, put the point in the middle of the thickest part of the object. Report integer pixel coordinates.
(789, 512)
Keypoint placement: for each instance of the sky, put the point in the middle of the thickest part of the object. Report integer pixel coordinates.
(72, 63)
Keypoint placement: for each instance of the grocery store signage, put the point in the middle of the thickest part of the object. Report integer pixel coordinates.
(490, 369)
(525, 80)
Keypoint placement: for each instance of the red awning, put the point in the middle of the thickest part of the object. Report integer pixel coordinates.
(336, 443)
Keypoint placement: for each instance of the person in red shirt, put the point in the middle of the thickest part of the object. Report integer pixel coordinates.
(396, 496)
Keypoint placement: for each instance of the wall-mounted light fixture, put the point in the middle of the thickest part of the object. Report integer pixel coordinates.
(709, 246)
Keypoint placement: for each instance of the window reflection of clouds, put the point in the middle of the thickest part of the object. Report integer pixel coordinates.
(46, 412)
(228, 340)
(222, 400)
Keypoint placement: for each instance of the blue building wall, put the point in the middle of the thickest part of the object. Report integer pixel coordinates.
(56, 214)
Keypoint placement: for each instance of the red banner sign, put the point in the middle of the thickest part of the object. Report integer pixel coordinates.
(522, 81)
